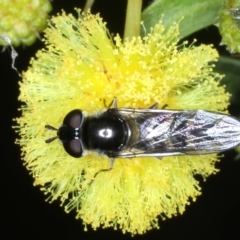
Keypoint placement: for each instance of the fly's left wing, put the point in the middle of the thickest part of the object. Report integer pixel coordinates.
(167, 132)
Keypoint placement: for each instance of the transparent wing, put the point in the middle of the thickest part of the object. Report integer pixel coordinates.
(167, 132)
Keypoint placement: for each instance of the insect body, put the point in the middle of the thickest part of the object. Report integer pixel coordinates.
(128, 133)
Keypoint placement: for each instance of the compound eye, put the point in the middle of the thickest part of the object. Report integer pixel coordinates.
(74, 148)
(74, 119)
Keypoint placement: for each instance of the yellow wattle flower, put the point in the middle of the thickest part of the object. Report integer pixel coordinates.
(229, 28)
(23, 20)
(80, 67)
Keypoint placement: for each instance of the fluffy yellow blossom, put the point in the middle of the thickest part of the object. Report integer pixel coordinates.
(229, 27)
(22, 20)
(80, 67)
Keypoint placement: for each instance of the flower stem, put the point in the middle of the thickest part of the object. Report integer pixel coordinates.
(88, 5)
(133, 17)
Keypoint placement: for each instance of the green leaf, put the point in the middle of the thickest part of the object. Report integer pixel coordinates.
(230, 67)
(197, 14)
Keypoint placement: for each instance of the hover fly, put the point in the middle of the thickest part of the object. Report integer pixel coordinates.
(127, 132)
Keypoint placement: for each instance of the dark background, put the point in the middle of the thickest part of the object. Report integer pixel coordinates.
(26, 215)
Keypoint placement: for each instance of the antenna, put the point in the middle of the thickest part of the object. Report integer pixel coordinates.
(48, 127)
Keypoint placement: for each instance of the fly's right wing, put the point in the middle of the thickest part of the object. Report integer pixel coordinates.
(167, 132)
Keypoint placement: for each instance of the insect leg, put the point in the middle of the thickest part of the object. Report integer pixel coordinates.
(103, 170)
(105, 104)
(115, 103)
(154, 106)
(112, 103)
(164, 106)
